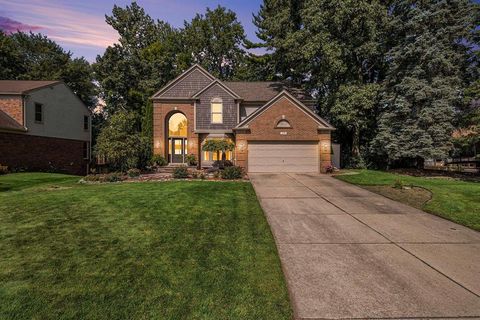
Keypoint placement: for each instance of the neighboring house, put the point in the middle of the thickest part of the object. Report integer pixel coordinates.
(274, 128)
(44, 126)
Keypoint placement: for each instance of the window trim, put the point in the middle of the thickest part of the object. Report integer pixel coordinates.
(37, 104)
(216, 100)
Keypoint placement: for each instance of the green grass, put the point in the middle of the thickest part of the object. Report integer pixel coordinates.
(170, 250)
(455, 200)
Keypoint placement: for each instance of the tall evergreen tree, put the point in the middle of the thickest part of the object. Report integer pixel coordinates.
(427, 64)
(331, 49)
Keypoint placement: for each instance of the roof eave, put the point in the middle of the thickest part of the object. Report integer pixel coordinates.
(221, 84)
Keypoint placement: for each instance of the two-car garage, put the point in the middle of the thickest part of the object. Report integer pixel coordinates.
(283, 156)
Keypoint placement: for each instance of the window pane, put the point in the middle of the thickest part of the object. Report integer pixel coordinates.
(206, 155)
(283, 124)
(217, 107)
(217, 117)
(178, 146)
(38, 112)
(214, 158)
(177, 125)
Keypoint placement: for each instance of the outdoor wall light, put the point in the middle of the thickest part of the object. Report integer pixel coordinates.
(325, 146)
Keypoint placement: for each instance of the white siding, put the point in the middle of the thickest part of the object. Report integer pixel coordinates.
(283, 157)
(63, 114)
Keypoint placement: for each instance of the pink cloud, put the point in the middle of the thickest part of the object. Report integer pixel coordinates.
(66, 25)
(8, 25)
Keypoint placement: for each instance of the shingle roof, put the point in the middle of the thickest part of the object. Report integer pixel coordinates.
(22, 86)
(7, 122)
(263, 90)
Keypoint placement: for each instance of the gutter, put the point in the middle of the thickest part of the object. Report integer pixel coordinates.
(13, 129)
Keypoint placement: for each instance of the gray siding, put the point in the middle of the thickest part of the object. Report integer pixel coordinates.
(63, 114)
(188, 86)
(203, 109)
(245, 111)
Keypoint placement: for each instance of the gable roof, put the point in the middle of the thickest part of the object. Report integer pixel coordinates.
(182, 76)
(8, 123)
(264, 90)
(23, 86)
(285, 94)
(217, 82)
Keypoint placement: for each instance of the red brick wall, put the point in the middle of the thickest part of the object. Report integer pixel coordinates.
(12, 105)
(34, 153)
(262, 128)
(161, 113)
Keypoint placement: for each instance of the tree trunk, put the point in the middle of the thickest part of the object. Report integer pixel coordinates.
(420, 162)
(356, 142)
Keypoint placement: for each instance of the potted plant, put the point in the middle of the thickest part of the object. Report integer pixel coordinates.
(191, 159)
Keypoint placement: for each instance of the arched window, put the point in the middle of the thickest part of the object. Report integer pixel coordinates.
(283, 124)
(177, 125)
(216, 110)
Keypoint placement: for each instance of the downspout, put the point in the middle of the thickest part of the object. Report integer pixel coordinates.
(24, 112)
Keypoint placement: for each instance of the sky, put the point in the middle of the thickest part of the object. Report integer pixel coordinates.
(79, 26)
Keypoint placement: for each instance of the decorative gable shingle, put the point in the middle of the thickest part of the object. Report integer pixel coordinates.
(187, 84)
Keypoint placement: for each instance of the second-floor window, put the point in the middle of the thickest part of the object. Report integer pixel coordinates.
(216, 107)
(85, 122)
(38, 112)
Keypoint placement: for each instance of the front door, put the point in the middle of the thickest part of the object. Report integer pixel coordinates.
(178, 146)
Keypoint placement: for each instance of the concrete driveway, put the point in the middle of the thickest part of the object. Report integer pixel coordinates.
(349, 253)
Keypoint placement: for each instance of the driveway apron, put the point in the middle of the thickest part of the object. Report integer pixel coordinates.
(348, 253)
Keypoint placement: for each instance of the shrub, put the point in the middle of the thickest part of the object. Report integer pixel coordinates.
(398, 184)
(109, 177)
(120, 142)
(356, 162)
(222, 164)
(158, 160)
(134, 172)
(3, 169)
(180, 173)
(216, 174)
(191, 159)
(232, 173)
(202, 176)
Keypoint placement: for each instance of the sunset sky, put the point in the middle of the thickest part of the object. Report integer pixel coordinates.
(79, 26)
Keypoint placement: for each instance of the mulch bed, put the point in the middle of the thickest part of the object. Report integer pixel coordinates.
(438, 174)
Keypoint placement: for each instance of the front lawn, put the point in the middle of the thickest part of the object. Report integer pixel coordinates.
(169, 250)
(452, 199)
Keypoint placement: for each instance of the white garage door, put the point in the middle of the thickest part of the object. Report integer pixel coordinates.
(283, 157)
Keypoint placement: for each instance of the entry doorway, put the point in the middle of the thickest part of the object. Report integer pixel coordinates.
(177, 138)
(177, 150)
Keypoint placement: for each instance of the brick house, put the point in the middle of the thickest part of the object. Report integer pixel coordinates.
(274, 128)
(44, 126)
